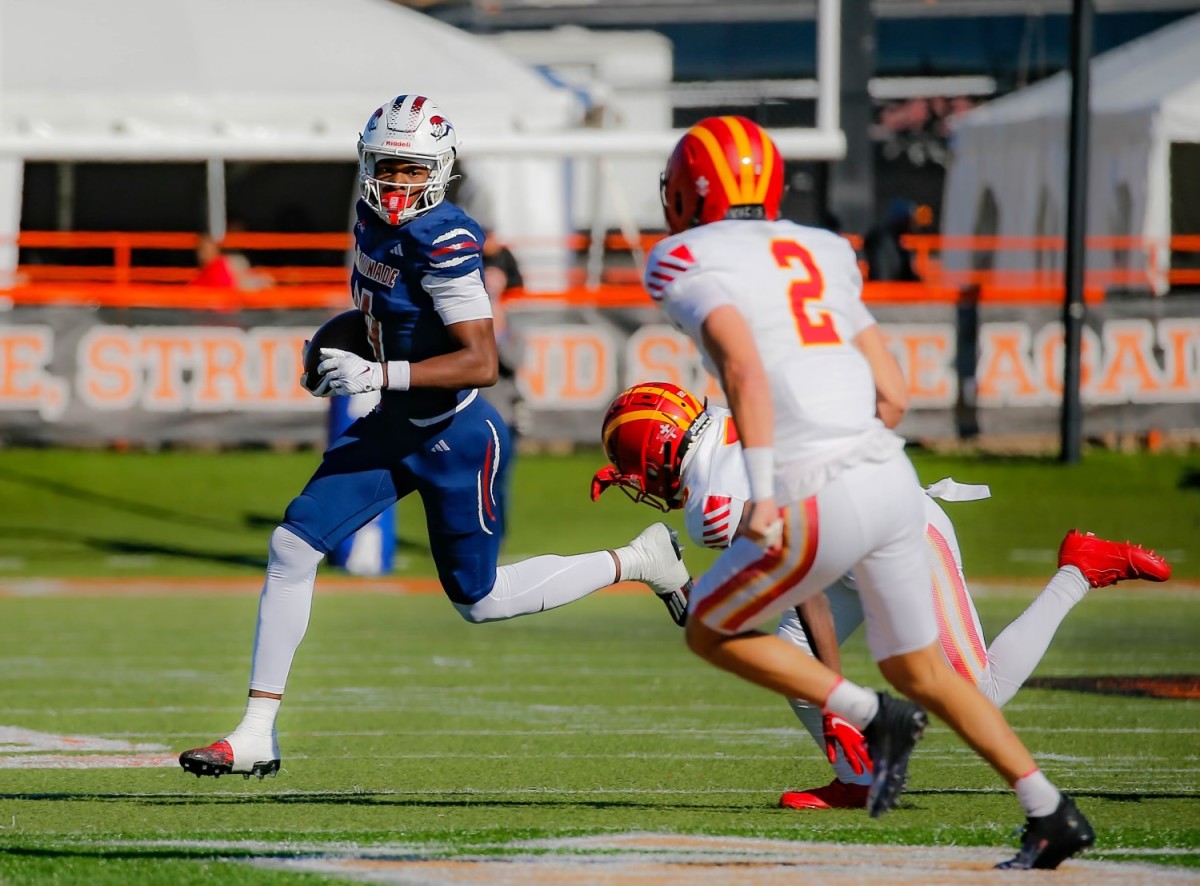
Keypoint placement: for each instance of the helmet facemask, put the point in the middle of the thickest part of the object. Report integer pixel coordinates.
(411, 129)
(398, 202)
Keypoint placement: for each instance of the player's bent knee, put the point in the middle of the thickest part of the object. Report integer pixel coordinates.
(702, 640)
(304, 519)
(288, 551)
(482, 611)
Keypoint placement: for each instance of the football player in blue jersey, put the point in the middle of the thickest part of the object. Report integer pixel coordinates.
(417, 279)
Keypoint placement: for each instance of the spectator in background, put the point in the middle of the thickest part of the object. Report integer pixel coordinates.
(224, 269)
(887, 258)
(248, 277)
(215, 268)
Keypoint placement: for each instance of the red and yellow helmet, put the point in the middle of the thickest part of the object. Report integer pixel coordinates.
(723, 167)
(645, 434)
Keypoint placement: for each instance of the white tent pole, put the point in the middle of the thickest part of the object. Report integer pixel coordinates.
(595, 259)
(829, 63)
(216, 198)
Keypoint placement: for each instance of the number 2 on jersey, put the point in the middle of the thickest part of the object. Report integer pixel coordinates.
(818, 330)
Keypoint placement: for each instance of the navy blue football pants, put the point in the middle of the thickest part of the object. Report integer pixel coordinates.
(458, 467)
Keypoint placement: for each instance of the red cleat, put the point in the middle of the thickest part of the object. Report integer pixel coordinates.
(1105, 563)
(216, 760)
(835, 795)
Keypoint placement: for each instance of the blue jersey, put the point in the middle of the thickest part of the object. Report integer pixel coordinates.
(450, 447)
(405, 279)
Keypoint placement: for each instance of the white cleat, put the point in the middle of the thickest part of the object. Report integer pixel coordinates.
(660, 565)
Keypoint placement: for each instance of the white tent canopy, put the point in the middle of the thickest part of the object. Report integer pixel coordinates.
(218, 80)
(146, 80)
(1009, 169)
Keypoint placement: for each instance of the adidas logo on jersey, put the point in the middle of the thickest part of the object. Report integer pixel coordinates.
(398, 249)
(440, 446)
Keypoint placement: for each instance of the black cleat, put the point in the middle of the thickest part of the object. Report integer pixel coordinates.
(1049, 840)
(891, 736)
(677, 601)
(217, 760)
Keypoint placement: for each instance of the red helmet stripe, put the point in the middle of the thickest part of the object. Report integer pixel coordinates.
(770, 156)
(720, 162)
(744, 159)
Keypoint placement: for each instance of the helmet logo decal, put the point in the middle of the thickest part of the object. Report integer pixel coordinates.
(440, 126)
(374, 121)
(702, 186)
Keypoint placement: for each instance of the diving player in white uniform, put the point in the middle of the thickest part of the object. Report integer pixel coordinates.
(705, 475)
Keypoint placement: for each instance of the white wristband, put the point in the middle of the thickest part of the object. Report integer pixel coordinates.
(760, 467)
(399, 374)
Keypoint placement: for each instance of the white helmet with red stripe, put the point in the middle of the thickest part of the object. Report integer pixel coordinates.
(410, 127)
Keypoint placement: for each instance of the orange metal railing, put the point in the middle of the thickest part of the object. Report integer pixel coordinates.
(121, 274)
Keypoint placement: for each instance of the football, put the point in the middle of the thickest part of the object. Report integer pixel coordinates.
(347, 332)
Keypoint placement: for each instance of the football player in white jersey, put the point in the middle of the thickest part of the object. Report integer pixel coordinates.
(775, 310)
(700, 469)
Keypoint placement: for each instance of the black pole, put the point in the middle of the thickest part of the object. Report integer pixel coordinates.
(852, 182)
(1077, 182)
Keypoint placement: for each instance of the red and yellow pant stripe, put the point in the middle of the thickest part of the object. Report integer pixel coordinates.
(958, 626)
(751, 579)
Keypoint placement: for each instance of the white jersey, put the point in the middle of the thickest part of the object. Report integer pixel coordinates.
(800, 291)
(714, 482)
(716, 489)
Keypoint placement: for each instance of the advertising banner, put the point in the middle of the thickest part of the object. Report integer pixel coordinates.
(72, 375)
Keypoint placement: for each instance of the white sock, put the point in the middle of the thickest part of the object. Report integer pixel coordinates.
(541, 583)
(283, 609)
(631, 563)
(1037, 795)
(255, 736)
(1014, 654)
(855, 704)
(259, 719)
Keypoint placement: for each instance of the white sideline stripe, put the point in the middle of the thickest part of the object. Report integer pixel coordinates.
(346, 847)
(15, 738)
(628, 859)
(87, 761)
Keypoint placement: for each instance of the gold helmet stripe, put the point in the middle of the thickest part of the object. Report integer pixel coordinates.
(686, 405)
(720, 162)
(651, 414)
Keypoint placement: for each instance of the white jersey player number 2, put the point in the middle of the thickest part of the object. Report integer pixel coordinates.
(815, 329)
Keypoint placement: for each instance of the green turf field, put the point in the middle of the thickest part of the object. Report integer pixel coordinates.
(187, 513)
(408, 734)
(407, 727)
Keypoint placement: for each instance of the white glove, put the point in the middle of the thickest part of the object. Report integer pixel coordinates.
(345, 373)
